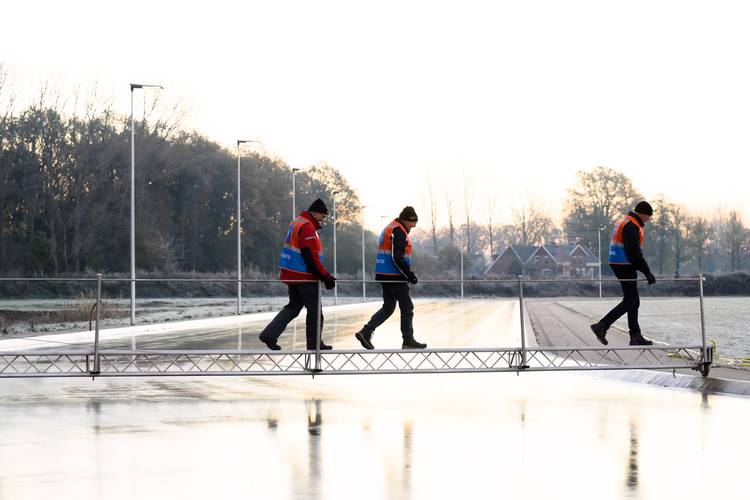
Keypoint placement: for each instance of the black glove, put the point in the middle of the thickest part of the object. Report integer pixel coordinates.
(330, 282)
(651, 278)
(412, 278)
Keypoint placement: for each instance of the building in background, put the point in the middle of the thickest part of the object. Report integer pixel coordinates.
(545, 262)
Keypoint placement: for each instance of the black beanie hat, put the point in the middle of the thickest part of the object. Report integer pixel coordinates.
(318, 206)
(408, 214)
(644, 208)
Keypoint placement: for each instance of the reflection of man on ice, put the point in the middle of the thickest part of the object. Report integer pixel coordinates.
(393, 269)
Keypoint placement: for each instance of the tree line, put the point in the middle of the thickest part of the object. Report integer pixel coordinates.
(65, 206)
(678, 241)
(65, 197)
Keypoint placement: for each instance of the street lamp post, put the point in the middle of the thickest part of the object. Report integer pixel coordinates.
(133, 86)
(462, 256)
(364, 293)
(294, 193)
(238, 217)
(599, 245)
(462, 272)
(335, 269)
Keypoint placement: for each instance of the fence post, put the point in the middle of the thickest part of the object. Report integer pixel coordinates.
(523, 328)
(97, 370)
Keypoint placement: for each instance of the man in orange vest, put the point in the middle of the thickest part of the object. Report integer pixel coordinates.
(625, 258)
(301, 268)
(393, 270)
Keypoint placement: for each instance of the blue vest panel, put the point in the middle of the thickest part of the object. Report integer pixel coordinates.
(384, 263)
(292, 259)
(617, 254)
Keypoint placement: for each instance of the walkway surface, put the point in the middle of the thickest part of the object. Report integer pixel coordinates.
(556, 324)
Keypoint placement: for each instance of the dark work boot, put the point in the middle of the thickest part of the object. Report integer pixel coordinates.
(323, 347)
(410, 343)
(270, 343)
(365, 338)
(638, 339)
(600, 331)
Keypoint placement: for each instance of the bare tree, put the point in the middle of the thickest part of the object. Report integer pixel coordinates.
(6, 95)
(468, 203)
(451, 227)
(699, 234)
(679, 236)
(734, 235)
(7, 200)
(531, 225)
(348, 204)
(490, 218)
(433, 216)
(662, 231)
(600, 197)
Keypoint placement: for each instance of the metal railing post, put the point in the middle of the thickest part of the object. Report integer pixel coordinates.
(97, 370)
(707, 356)
(523, 327)
(462, 273)
(703, 322)
(317, 326)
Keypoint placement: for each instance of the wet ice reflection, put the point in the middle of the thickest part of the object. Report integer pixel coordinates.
(435, 436)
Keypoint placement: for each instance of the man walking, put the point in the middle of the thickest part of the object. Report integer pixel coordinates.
(301, 268)
(393, 269)
(625, 258)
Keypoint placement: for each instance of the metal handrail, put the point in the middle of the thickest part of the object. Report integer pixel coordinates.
(356, 281)
(706, 351)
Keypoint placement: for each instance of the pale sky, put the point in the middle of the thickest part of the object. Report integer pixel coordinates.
(514, 96)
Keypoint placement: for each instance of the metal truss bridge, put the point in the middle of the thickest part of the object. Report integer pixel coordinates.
(98, 362)
(129, 363)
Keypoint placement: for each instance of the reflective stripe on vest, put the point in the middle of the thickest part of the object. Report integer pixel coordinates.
(291, 254)
(384, 263)
(617, 245)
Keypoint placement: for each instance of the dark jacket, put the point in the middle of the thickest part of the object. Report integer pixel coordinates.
(399, 248)
(632, 242)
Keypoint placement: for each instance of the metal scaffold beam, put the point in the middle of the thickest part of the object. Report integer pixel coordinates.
(113, 363)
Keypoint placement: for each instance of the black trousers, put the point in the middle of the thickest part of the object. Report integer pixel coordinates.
(300, 294)
(392, 293)
(630, 300)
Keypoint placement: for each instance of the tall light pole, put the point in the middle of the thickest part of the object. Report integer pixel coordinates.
(364, 293)
(238, 217)
(599, 245)
(335, 269)
(294, 193)
(462, 258)
(462, 272)
(133, 86)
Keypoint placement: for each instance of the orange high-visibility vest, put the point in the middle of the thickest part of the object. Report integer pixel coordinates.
(384, 263)
(617, 245)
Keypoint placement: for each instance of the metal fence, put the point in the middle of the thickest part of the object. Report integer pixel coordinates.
(96, 362)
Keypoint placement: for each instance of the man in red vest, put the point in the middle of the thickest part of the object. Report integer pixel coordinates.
(301, 269)
(625, 258)
(393, 269)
